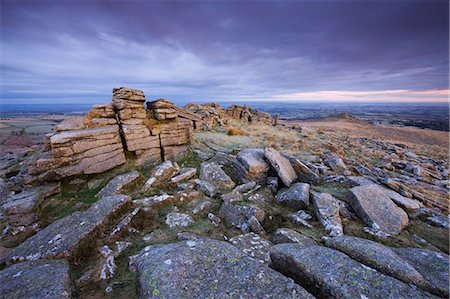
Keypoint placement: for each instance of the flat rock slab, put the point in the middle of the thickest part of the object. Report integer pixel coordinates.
(64, 236)
(206, 268)
(213, 173)
(254, 246)
(253, 160)
(118, 183)
(38, 279)
(329, 273)
(434, 267)
(281, 165)
(376, 208)
(377, 256)
(303, 172)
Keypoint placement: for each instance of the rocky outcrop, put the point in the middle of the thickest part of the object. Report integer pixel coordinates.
(64, 237)
(328, 273)
(36, 279)
(206, 268)
(377, 209)
(100, 141)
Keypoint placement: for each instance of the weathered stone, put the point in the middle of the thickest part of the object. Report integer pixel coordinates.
(377, 256)
(300, 218)
(213, 173)
(206, 187)
(326, 208)
(255, 226)
(119, 183)
(204, 207)
(272, 183)
(207, 268)
(185, 174)
(162, 173)
(303, 172)
(354, 181)
(296, 196)
(254, 246)
(374, 206)
(281, 165)
(238, 216)
(253, 160)
(214, 219)
(329, 273)
(243, 188)
(432, 265)
(70, 124)
(286, 235)
(36, 279)
(150, 201)
(336, 164)
(231, 196)
(176, 219)
(63, 237)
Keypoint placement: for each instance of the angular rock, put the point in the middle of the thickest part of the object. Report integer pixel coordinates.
(117, 184)
(255, 226)
(207, 268)
(272, 183)
(243, 188)
(432, 265)
(300, 218)
(162, 173)
(354, 181)
(213, 173)
(374, 206)
(254, 246)
(238, 216)
(185, 174)
(231, 196)
(281, 165)
(336, 164)
(176, 219)
(328, 273)
(36, 279)
(62, 238)
(253, 160)
(204, 207)
(296, 196)
(206, 187)
(326, 208)
(286, 235)
(150, 201)
(303, 172)
(214, 219)
(377, 256)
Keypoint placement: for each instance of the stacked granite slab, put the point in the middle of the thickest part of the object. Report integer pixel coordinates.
(248, 114)
(129, 106)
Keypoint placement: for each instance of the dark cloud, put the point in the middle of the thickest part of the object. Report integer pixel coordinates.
(220, 49)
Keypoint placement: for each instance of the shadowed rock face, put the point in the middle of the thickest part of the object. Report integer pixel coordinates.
(329, 273)
(206, 268)
(64, 236)
(37, 279)
(326, 208)
(374, 206)
(296, 196)
(281, 165)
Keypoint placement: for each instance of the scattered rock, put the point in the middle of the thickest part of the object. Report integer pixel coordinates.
(231, 196)
(243, 188)
(36, 279)
(150, 201)
(300, 218)
(374, 206)
(354, 181)
(255, 226)
(286, 235)
(304, 174)
(432, 265)
(214, 219)
(119, 183)
(296, 196)
(327, 209)
(185, 174)
(206, 187)
(238, 216)
(213, 173)
(208, 269)
(329, 273)
(272, 183)
(377, 256)
(281, 165)
(176, 219)
(204, 207)
(162, 173)
(336, 164)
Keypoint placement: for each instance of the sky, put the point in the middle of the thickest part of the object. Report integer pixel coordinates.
(77, 51)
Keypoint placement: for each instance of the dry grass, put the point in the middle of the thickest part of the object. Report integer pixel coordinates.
(233, 131)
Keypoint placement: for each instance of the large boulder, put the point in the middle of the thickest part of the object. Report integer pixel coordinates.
(328, 273)
(296, 196)
(326, 208)
(377, 256)
(376, 209)
(434, 267)
(206, 268)
(281, 165)
(37, 279)
(119, 183)
(63, 237)
(253, 160)
(213, 173)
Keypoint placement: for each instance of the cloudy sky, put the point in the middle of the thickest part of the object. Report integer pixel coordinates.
(76, 51)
